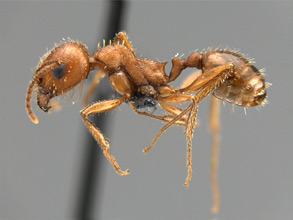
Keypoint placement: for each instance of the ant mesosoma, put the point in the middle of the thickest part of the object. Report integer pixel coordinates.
(142, 83)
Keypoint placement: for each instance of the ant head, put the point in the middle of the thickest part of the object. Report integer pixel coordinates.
(59, 71)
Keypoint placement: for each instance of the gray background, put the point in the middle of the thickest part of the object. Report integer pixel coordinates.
(40, 165)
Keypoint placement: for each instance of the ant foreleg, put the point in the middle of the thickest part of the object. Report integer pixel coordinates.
(99, 107)
(94, 83)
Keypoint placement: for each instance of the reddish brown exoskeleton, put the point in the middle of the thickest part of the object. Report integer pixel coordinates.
(142, 83)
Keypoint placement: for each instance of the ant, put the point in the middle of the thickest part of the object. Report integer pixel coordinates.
(225, 74)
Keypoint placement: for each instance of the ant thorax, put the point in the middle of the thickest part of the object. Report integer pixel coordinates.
(112, 58)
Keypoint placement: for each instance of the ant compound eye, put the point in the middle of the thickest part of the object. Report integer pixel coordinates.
(58, 71)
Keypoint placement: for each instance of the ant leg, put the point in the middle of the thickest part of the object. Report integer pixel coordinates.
(209, 79)
(166, 118)
(174, 98)
(174, 110)
(215, 77)
(190, 79)
(122, 37)
(189, 132)
(94, 83)
(214, 126)
(99, 107)
(191, 122)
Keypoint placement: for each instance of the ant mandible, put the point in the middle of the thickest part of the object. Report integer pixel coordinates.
(226, 74)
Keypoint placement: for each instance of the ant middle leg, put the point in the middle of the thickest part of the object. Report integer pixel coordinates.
(174, 98)
(165, 118)
(99, 107)
(174, 110)
(189, 127)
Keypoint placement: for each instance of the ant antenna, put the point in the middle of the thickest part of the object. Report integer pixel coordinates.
(40, 71)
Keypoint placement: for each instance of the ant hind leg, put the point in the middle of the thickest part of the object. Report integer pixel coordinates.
(189, 127)
(214, 126)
